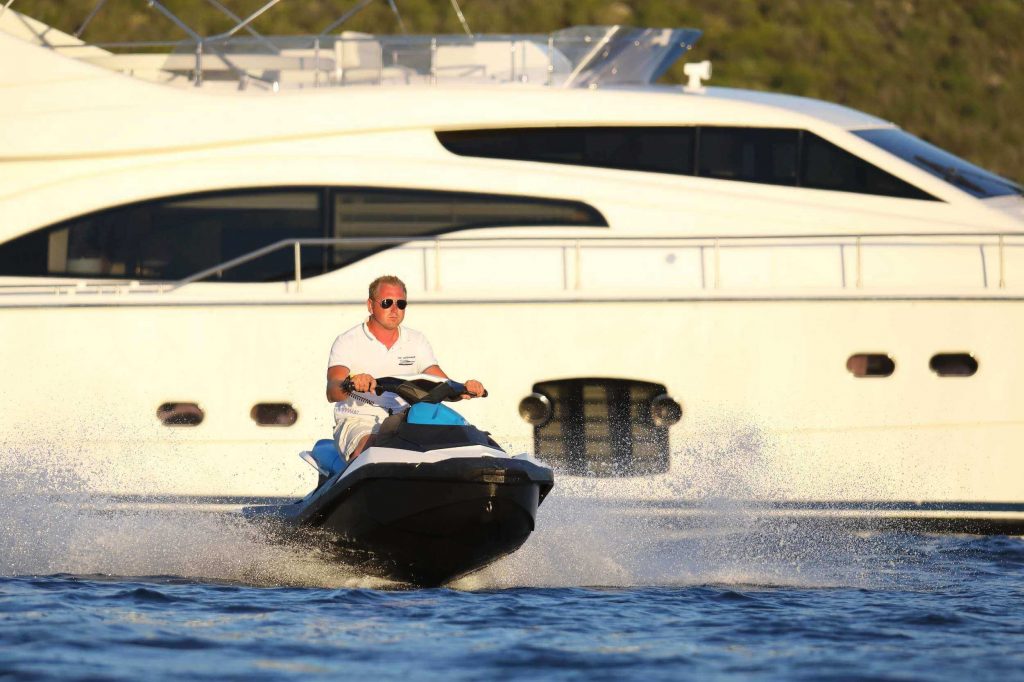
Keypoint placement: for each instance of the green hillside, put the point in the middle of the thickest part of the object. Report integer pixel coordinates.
(950, 71)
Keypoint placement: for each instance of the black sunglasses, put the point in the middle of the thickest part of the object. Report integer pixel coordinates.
(388, 302)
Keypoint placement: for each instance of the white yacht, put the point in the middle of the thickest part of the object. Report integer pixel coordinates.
(673, 294)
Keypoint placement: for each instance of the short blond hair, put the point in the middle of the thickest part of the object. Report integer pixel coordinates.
(376, 284)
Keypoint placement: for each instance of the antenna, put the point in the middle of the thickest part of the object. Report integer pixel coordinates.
(95, 10)
(248, 29)
(398, 15)
(345, 17)
(462, 18)
(697, 71)
(245, 22)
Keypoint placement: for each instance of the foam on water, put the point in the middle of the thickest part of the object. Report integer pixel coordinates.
(51, 522)
(590, 534)
(54, 524)
(586, 543)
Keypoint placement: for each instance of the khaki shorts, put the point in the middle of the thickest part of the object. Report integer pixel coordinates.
(353, 429)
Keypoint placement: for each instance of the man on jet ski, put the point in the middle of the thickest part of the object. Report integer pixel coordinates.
(380, 346)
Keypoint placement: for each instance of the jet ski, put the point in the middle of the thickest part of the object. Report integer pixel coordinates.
(434, 498)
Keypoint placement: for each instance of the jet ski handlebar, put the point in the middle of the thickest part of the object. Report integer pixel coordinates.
(417, 390)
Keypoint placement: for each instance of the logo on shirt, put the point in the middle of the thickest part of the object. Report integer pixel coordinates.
(406, 360)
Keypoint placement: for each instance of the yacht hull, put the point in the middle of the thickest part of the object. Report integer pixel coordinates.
(770, 411)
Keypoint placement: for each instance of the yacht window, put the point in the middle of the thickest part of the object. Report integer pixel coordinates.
(173, 238)
(870, 365)
(826, 166)
(180, 414)
(371, 213)
(953, 364)
(749, 155)
(653, 149)
(26, 255)
(273, 414)
(773, 156)
(177, 237)
(940, 163)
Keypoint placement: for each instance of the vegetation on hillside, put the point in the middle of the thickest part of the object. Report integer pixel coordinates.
(950, 71)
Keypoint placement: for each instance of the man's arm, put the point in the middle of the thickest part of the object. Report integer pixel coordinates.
(435, 370)
(475, 388)
(336, 374)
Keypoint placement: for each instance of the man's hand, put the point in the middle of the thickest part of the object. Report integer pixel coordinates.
(364, 383)
(474, 389)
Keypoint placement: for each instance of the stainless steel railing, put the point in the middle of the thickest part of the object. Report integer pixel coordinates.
(577, 57)
(853, 251)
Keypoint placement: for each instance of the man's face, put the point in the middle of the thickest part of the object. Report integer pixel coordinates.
(391, 317)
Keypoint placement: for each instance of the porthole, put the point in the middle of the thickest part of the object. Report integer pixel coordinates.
(953, 364)
(273, 414)
(870, 365)
(180, 414)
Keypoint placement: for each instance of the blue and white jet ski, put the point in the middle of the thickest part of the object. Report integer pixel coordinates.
(433, 498)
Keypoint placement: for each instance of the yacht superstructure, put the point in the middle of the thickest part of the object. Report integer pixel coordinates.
(833, 303)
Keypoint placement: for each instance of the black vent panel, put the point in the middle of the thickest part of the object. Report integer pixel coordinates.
(602, 427)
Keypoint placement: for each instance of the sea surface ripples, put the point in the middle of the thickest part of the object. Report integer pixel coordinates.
(92, 590)
(937, 607)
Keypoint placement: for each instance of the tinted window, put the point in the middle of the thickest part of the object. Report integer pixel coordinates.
(749, 155)
(273, 414)
(174, 238)
(372, 213)
(826, 166)
(954, 170)
(954, 364)
(774, 156)
(25, 256)
(653, 149)
(870, 365)
(180, 414)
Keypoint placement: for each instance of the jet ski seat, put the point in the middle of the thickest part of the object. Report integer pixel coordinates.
(325, 458)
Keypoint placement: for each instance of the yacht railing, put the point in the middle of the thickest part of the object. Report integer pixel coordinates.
(584, 57)
(851, 262)
(579, 57)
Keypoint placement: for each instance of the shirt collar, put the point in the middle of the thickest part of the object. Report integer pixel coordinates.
(371, 337)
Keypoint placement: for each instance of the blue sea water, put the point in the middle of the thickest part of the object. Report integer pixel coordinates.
(100, 593)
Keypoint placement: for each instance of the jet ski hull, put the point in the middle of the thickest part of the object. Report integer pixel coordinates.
(438, 531)
(425, 523)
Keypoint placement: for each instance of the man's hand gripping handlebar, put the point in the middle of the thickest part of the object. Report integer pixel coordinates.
(415, 390)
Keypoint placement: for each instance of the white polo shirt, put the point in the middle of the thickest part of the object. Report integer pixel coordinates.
(361, 351)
